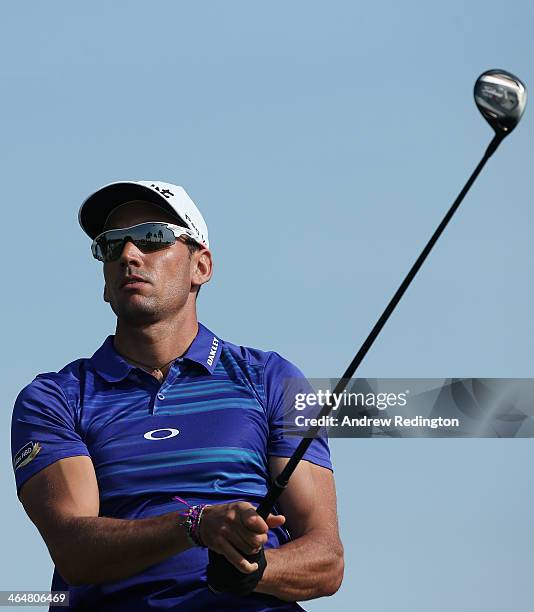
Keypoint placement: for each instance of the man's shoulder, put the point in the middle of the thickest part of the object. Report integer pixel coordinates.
(72, 371)
(66, 379)
(268, 360)
(248, 354)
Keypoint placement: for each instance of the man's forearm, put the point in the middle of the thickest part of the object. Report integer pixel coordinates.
(90, 550)
(307, 567)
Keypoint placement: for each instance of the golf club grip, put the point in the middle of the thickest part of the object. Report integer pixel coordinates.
(280, 482)
(221, 573)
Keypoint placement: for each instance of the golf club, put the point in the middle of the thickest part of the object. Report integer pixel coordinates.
(501, 98)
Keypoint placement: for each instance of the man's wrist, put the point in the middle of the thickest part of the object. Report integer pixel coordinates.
(184, 533)
(272, 577)
(263, 584)
(190, 520)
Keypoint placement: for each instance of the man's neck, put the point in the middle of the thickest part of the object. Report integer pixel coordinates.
(155, 344)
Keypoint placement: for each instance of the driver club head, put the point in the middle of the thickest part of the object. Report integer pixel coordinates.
(501, 98)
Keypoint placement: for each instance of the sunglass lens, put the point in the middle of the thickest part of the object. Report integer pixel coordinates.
(147, 237)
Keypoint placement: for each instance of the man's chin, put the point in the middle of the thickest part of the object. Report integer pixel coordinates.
(135, 313)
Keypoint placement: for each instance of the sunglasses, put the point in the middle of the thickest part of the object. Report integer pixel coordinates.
(147, 237)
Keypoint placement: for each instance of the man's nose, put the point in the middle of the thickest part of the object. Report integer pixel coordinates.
(129, 252)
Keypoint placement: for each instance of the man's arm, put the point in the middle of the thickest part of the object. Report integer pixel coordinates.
(62, 500)
(311, 565)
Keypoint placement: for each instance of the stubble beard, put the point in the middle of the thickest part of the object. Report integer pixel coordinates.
(137, 312)
(145, 310)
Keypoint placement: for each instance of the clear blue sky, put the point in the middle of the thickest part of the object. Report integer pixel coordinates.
(323, 142)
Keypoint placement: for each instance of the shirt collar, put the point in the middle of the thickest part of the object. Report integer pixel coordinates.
(204, 350)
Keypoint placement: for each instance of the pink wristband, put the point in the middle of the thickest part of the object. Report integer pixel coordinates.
(190, 519)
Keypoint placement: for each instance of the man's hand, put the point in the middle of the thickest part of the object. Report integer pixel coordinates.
(235, 530)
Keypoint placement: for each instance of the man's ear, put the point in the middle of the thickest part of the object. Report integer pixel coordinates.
(106, 297)
(203, 268)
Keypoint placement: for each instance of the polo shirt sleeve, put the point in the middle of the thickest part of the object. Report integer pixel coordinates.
(43, 429)
(278, 372)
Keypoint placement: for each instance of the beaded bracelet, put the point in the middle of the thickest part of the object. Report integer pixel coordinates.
(190, 519)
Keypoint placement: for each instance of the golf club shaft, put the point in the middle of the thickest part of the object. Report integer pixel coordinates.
(280, 482)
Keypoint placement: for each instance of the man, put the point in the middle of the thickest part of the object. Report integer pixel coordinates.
(135, 462)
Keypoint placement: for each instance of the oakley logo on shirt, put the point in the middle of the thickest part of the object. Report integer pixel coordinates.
(213, 351)
(172, 432)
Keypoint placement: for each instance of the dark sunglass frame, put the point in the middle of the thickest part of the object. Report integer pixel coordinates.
(148, 237)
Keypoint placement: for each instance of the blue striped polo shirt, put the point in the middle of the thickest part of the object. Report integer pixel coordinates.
(204, 434)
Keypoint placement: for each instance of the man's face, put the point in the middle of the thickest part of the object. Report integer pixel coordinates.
(171, 275)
